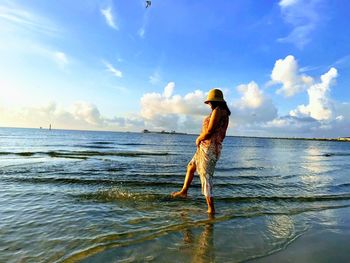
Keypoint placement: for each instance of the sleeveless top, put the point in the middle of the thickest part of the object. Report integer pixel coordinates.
(218, 134)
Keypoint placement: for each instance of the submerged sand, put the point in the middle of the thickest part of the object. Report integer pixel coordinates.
(325, 241)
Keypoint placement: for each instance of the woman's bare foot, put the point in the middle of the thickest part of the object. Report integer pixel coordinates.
(210, 203)
(211, 216)
(179, 194)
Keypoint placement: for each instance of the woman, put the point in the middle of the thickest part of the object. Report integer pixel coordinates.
(209, 144)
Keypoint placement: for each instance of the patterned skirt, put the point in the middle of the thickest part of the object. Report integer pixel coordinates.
(205, 160)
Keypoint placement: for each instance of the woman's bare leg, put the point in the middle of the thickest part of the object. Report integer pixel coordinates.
(191, 168)
(210, 203)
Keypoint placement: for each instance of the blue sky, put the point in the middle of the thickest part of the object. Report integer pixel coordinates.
(115, 65)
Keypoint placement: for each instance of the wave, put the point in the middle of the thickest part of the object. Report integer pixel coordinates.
(115, 194)
(257, 177)
(344, 185)
(97, 153)
(301, 199)
(149, 182)
(136, 144)
(94, 181)
(224, 169)
(65, 155)
(18, 153)
(118, 194)
(335, 154)
(85, 154)
(102, 142)
(54, 180)
(94, 146)
(243, 146)
(127, 144)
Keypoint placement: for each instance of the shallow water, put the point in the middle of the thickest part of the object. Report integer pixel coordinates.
(103, 196)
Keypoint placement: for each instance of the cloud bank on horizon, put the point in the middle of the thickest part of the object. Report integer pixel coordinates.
(254, 111)
(114, 76)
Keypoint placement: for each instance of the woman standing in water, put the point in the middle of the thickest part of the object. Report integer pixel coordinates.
(209, 145)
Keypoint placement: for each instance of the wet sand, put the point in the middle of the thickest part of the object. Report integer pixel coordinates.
(323, 242)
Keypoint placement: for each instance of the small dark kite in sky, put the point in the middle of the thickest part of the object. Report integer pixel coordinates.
(148, 4)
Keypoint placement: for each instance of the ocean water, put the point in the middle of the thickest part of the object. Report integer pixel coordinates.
(81, 196)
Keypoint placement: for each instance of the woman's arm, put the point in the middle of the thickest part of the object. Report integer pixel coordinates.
(213, 123)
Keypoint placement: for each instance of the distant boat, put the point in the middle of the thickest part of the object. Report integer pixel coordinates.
(50, 127)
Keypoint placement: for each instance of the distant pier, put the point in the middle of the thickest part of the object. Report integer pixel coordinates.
(163, 132)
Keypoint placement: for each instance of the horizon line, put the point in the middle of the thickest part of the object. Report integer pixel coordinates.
(342, 139)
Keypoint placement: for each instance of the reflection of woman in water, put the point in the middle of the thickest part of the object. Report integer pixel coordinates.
(199, 249)
(209, 144)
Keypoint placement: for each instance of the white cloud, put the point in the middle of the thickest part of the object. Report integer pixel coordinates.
(321, 117)
(170, 112)
(81, 115)
(87, 112)
(155, 78)
(342, 111)
(287, 3)
(255, 114)
(141, 32)
(61, 58)
(154, 104)
(252, 96)
(340, 118)
(291, 126)
(320, 114)
(304, 16)
(319, 106)
(23, 32)
(40, 116)
(309, 68)
(107, 13)
(343, 61)
(286, 71)
(169, 89)
(16, 18)
(130, 123)
(253, 106)
(113, 70)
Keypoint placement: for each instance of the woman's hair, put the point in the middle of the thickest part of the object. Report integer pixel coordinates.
(222, 105)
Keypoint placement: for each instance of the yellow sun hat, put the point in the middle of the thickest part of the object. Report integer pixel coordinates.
(215, 95)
